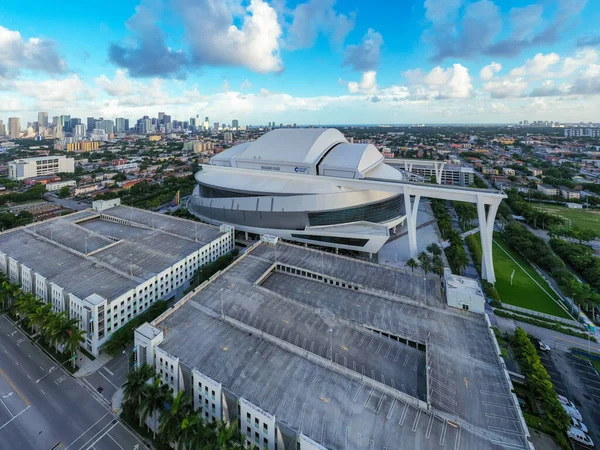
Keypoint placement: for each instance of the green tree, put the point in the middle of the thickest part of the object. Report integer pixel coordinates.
(195, 434)
(154, 396)
(64, 192)
(412, 263)
(171, 420)
(434, 249)
(75, 336)
(228, 437)
(134, 385)
(424, 261)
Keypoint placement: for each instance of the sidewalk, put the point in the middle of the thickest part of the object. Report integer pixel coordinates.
(87, 366)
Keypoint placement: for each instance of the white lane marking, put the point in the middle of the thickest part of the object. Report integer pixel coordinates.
(116, 442)
(28, 376)
(16, 363)
(109, 372)
(103, 434)
(87, 430)
(104, 376)
(43, 391)
(29, 355)
(15, 417)
(9, 411)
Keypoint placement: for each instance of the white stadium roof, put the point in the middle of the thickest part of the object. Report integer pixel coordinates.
(314, 151)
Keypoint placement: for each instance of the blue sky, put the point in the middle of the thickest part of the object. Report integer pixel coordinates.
(408, 61)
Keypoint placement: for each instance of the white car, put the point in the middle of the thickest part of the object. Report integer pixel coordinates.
(580, 437)
(565, 401)
(572, 412)
(544, 347)
(577, 424)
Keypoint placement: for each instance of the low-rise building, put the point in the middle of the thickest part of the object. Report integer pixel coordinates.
(58, 185)
(21, 169)
(508, 171)
(547, 189)
(569, 194)
(107, 265)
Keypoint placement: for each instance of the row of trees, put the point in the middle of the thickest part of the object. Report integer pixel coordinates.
(534, 217)
(428, 261)
(536, 249)
(581, 258)
(538, 381)
(56, 329)
(455, 252)
(573, 233)
(179, 425)
(466, 212)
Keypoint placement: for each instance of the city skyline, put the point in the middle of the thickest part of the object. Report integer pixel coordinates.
(308, 62)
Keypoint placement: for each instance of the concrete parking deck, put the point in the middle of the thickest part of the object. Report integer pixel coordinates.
(267, 335)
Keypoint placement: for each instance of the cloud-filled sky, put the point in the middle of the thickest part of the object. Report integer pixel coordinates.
(305, 61)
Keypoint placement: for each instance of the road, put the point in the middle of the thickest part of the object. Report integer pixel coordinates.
(553, 338)
(66, 202)
(109, 378)
(57, 410)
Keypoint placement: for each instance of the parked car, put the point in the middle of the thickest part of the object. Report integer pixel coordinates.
(577, 424)
(565, 401)
(543, 346)
(572, 412)
(580, 437)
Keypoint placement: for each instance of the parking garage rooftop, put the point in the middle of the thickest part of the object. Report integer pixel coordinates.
(351, 354)
(105, 253)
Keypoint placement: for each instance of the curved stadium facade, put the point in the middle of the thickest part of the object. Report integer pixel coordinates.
(232, 189)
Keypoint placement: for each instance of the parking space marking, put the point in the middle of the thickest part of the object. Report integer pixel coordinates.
(15, 417)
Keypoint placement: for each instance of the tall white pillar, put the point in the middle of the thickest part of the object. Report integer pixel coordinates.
(412, 208)
(486, 231)
(438, 167)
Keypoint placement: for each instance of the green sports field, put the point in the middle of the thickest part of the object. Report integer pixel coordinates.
(582, 218)
(524, 291)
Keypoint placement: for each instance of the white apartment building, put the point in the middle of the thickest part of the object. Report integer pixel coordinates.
(58, 185)
(569, 194)
(21, 169)
(547, 189)
(582, 132)
(107, 265)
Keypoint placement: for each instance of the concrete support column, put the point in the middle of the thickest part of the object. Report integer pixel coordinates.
(412, 208)
(246, 233)
(486, 231)
(439, 168)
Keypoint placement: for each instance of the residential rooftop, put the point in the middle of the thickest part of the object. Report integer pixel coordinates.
(406, 371)
(105, 253)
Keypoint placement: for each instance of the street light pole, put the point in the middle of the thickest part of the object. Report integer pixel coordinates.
(330, 331)
(222, 312)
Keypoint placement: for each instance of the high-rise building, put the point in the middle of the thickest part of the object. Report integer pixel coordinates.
(161, 116)
(74, 122)
(106, 125)
(216, 126)
(79, 130)
(120, 125)
(166, 119)
(235, 124)
(14, 127)
(91, 121)
(55, 121)
(43, 119)
(126, 124)
(2, 128)
(65, 123)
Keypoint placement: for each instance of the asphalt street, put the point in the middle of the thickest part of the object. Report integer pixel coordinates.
(109, 378)
(57, 411)
(553, 338)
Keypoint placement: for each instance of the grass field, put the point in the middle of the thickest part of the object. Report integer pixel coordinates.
(524, 292)
(582, 218)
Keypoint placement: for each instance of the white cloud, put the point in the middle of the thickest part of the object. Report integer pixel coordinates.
(34, 54)
(582, 58)
(498, 107)
(225, 86)
(68, 89)
(120, 85)
(367, 85)
(364, 56)
(316, 17)
(506, 87)
(215, 39)
(488, 72)
(453, 82)
(537, 66)
(246, 85)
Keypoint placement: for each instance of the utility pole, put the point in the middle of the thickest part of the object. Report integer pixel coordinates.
(330, 331)
(222, 311)
(131, 264)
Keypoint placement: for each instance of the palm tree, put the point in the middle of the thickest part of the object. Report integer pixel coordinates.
(75, 336)
(136, 380)
(171, 421)
(153, 398)
(195, 434)
(25, 304)
(412, 263)
(228, 437)
(39, 316)
(10, 292)
(434, 249)
(424, 261)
